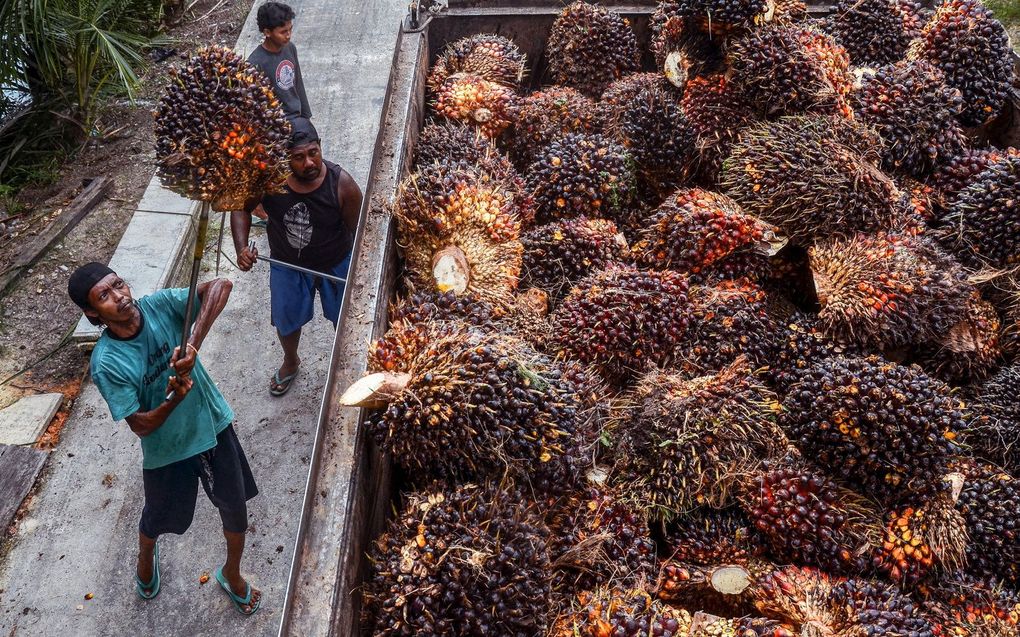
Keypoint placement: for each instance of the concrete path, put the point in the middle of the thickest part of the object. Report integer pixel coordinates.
(79, 536)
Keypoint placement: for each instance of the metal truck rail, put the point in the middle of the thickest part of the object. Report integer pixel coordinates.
(349, 489)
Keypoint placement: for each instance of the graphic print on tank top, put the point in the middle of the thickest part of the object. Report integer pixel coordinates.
(298, 222)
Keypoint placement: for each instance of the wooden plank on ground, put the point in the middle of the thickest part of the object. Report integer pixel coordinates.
(57, 230)
(19, 467)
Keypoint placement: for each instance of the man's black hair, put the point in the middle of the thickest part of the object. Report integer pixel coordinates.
(274, 14)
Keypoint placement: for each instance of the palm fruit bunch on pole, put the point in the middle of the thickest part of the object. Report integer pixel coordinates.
(970, 350)
(460, 230)
(621, 612)
(581, 174)
(990, 504)
(884, 428)
(546, 115)
(622, 320)
(558, 254)
(708, 236)
(788, 69)
(221, 135)
(717, 111)
(589, 47)
(994, 427)
(486, 55)
(875, 32)
(686, 442)
(813, 177)
(888, 290)
(472, 560)
(971, 48)
(915, 113)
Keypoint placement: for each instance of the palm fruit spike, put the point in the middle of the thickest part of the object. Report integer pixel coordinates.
(973, 608)
(883, 427)
(809, 519)
(221, 135)
(994, 430)
(599, 538)
(707, 235)
(463, 402)
(707, 625)
(489, 106)
(486, 55)
(971, 349)
(710, 536)
(642, 111)
(787, 69)
(452, 141)
(721, 17)
(589, 47)
(468, 561)
(965, 40)
(887, 290)
(914, 111)
(730, 320)
(558, 254)
(686, 443)
(547, 115)
(961, 171)
(871, 609)
(990, 504)
(875, 32)
(619, 612)
(813, 177)
(790, 12)
(798, 595)
(581, 174)
(622, 319)
(919, 539)
(717, 112)
(802, 344)
(981, 225)
(682, 50)
(460, 228)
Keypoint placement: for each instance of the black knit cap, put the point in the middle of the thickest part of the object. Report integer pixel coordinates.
(302, 132)
(83, 280)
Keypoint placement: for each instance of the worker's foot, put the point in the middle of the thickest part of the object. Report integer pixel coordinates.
(248, 600)
(282, 379)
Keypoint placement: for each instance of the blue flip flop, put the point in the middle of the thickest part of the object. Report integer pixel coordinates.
(239, 601)
(284, 383)
(153, 584)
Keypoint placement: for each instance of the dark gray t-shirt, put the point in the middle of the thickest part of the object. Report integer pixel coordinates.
(284, 75)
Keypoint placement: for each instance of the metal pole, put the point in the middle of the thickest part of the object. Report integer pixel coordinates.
(203, 228)
(331, 277)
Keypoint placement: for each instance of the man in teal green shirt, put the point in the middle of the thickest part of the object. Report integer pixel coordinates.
(186, 439)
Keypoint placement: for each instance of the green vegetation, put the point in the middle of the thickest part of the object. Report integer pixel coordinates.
(1007, 11)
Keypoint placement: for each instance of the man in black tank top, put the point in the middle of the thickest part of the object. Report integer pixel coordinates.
(311, 223)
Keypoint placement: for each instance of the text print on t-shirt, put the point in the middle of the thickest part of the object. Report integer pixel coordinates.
(159, 360)
(285, 75)
(298, 222)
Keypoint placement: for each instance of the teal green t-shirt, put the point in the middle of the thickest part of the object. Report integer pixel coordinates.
(132, 374)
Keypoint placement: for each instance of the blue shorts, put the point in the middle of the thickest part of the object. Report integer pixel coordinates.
(292, 296)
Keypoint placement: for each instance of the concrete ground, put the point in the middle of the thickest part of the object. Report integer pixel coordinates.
(79, 536)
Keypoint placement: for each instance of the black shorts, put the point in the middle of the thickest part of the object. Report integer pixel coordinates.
(171, 491)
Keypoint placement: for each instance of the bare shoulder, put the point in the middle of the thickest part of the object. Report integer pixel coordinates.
(347, 186)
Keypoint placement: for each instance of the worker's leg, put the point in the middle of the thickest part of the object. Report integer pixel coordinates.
(292, 298)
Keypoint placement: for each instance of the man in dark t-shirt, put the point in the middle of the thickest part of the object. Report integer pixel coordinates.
(277, 58)
(311, 223)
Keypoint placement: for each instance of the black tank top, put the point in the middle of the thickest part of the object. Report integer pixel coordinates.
(308, 229)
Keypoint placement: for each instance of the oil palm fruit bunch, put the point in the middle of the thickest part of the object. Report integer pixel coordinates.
(874, 609)
(711, 588)
(721, 17)
(786, 69)
(687, 442)
(589, 47)
(622, 319)
(875, 32)
(994, 430)
(971, 350)
(486, 55)
(707, 625)
(682, 49)
(489, 106)
(460, 230)
(714, 536)
(707, 235)
(431, 305)
(463, 402)
(581, 174)
(547, 115)
(621, 612)
(730, 320)
(920, 538)
(888, 290)
(221, 135)
(795, 594)
(813, 177)
(959, 172)
(558, 254)
(717, 112)
(884, 428)
(598, 539)
(915, 113)
(472, 560)
(972, 607)
(981, 225)
(809, 519)
(971, 48)
(654, 130)
(990, 503)
(802, 343)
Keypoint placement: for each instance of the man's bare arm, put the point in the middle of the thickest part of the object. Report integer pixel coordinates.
(350, 200)
(143, 423)
(214, 295)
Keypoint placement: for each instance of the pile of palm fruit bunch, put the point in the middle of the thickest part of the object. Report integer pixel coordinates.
(221, 135)
(723, 344)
